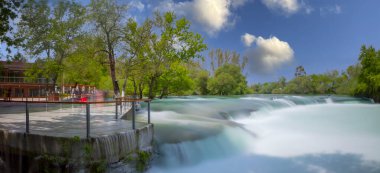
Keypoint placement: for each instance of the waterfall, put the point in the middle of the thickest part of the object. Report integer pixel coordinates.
(266, 133)
(145, 138)
(114, 147)
(230, 141)
(329, 100)
(127, 141)
(285, 102)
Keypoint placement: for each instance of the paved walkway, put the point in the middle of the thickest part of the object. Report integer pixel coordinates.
(63, 120)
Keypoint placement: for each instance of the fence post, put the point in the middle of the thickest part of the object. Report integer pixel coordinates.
(149, 112)
(133, 115)
(27, 117)
(116, 110)
(121, 106)
(87, 120)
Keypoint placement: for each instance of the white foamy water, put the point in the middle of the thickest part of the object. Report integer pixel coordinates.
(267, 134)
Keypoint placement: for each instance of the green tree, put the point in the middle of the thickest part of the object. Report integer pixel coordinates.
(51, 31)
(222, 84)
(201, 82)
(349, 80)
(84, 66)
(369, 77)
(8, 12)
(133, 62)
(228, 80)
(176, 80)
(107, 17)
(300, 85)
(175, 43)
(300, 71)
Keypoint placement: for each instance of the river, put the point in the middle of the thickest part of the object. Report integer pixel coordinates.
(266, 134)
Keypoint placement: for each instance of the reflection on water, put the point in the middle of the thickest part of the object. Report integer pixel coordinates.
(267, 134)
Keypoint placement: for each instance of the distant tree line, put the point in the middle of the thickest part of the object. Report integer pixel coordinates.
(361, 79)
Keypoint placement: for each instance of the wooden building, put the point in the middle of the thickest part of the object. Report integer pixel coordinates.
(13, 83)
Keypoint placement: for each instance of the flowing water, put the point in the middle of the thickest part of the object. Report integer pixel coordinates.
(266, 134)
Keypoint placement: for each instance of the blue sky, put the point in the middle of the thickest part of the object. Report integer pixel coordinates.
(321, 35)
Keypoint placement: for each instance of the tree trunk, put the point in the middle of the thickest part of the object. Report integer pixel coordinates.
(134, 89)
(151, 86)
(125, 85)
(164, 92)
(141, 88)
(55, 76)
(111, 58)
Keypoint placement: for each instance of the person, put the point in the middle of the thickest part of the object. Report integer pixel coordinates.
(83, 99)
(9, 94)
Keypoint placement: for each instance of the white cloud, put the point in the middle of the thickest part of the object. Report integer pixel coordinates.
(247, 39)
(138, 5)
(211, 15)
(238, 3)
(287, 6)
(336, 9)
(269, 54)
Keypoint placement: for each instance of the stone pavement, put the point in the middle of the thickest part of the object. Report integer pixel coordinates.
(64, 120)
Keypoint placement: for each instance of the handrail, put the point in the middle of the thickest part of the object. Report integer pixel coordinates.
(83, 103)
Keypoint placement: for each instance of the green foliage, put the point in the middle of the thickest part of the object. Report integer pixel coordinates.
(50, 162)
(304, 85)
(349, 80)
(228, 80)
(83, 66)
(51, 31)
(164, 54)
(328, 83)
(369, 76)
(107, 17)
(134, 62)
(201, 82)
(175, 80)
(98, 167)
(361, 79)
(8, 12)
(300, 71)
(42, 68)
(153, 57)
(94, 166)
(143, 158)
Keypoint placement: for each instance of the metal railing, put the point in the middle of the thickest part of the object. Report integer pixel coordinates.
(118, 105)
(24, 80)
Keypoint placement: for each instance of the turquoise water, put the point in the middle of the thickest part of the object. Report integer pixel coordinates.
(266, 134)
